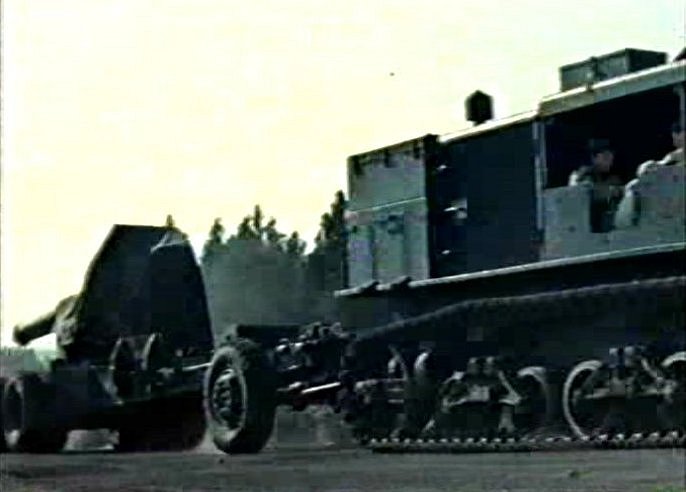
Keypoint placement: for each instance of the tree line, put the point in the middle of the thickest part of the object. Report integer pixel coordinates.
(260, 275)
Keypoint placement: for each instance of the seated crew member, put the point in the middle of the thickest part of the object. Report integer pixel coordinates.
(676, 156)
(607, 188)
(673, 158)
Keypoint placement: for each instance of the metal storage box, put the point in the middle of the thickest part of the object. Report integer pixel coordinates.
(608, 66)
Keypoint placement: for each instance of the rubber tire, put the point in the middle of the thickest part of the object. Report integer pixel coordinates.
(169, 425)
(588, 365)
(33, 399)
(257, 378)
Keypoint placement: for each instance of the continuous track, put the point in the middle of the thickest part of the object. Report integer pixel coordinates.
(672, 440)
(578, 302)
(667, 292)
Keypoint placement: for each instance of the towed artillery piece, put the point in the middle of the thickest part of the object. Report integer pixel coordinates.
(134, 345)
(485, 300)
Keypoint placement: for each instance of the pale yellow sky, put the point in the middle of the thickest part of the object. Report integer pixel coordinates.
(124, 111)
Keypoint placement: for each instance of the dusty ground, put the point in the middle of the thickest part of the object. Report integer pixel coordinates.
(345, 471)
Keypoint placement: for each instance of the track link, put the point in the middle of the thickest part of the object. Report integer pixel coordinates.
(669, 440)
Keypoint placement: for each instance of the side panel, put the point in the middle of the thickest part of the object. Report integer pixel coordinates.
(388, 213)
(449, 226)
(360, 248)
(496, 174)
(143, 279)
(389, 242)
(652, 212)
(389, 175)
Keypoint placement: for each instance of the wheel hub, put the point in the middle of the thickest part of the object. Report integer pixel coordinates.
(227, 398)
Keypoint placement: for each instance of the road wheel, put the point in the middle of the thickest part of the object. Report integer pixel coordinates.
(536, 409)
(672, 411)
(240, 398)
(27, 409)
(373, 410)
(582, 416)
(429, 371)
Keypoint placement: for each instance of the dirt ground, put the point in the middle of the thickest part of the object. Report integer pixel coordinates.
(346, 470)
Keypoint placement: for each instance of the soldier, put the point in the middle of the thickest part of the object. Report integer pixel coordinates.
(676, 157)
(673, 158)
(607, 189)
(598, 172)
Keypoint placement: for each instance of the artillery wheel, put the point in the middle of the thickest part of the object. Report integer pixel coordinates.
(240, 398)
(155, 356)
(25, 399)
(175, 424)
(122, 365)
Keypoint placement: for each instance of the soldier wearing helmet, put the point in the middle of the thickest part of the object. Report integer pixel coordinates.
(602, 157)
(607, 188)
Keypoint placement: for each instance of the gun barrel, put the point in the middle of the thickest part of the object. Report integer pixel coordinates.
(23, 334)
(44, 325)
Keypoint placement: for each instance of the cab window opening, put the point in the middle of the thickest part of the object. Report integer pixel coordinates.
(637, 127)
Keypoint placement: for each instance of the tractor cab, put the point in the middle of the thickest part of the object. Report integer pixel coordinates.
(635, 115)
